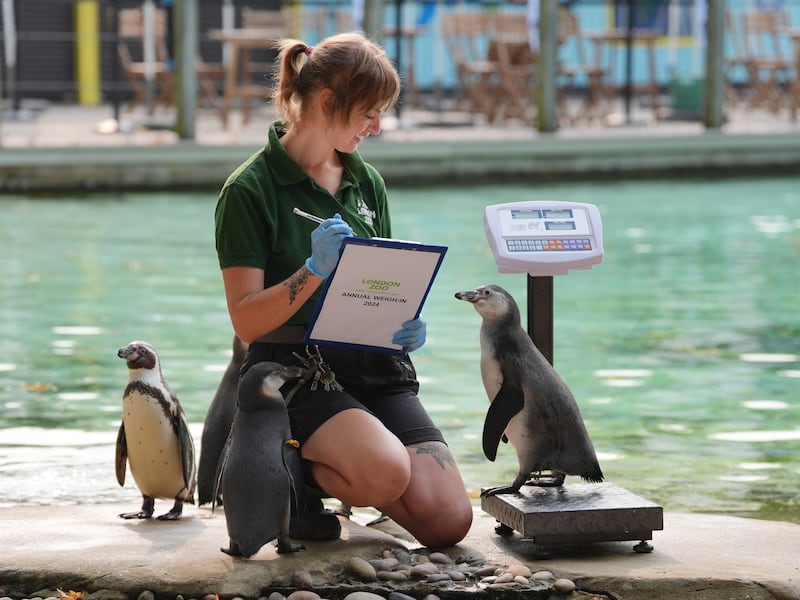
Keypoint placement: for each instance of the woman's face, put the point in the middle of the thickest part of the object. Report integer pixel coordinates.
(363, 122)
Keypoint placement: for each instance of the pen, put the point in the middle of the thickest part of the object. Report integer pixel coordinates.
(306, 215)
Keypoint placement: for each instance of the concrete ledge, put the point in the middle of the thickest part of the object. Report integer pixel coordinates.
(187, 165)
(89, 548)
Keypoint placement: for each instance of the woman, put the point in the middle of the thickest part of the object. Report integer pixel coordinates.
(371, 443)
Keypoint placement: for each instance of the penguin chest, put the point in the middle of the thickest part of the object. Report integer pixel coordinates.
(154, 451)
(491, 374)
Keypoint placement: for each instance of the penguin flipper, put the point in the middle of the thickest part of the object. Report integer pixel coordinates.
(121, 454)
(223, 459)
(507, 403)
(294, 469)
(187, 457)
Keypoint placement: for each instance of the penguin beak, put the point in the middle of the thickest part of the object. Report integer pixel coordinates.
(469, 295)
(126, 351)
(293, 373)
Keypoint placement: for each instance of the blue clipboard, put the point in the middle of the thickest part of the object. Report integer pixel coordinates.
(377, 285)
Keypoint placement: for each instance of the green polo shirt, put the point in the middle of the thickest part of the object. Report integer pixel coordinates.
(255, 225)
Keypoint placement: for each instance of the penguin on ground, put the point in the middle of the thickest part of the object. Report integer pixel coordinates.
(217, 425)
(531, 406)
(154, 436)
(260, 472)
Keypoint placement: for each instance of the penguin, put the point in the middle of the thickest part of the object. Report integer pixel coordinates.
(154, 436)
(260, 472)
(530, 405)
(217, 424)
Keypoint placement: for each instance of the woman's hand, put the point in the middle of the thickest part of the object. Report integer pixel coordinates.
(326, 241)
(412, 335)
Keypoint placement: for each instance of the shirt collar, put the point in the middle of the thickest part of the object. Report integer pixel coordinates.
(288, 172)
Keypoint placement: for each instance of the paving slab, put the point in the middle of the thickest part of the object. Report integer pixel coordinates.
(88, 548)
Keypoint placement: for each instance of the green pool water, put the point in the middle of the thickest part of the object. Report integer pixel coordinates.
(682, 347)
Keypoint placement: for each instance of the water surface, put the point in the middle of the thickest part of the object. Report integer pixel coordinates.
(682, 347)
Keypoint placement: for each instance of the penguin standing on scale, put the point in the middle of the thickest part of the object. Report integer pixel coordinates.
(531, 406)
(153, 437)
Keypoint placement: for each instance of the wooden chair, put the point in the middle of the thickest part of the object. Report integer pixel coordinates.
(583, 67)
(466, 36)
(735, 62)
(130, 43)
(510, 50)
(262, 66)
(769, 71)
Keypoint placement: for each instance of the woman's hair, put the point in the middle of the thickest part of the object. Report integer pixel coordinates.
(354, 68)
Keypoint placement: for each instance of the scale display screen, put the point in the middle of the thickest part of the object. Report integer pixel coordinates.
(544, 238)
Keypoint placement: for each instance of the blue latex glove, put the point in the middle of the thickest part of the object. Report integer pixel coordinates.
(412, 335)
(326, 241)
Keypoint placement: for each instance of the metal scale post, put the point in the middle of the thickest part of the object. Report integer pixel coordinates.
(522, 238)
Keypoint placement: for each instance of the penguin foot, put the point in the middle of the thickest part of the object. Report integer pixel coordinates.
(148, 505)
(174, 513)
(502, 489)
(554, 479)
(285, 546)
(232, 549)
(141, 514)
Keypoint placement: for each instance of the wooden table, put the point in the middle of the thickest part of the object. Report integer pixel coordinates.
(240, 43)
(607, 42)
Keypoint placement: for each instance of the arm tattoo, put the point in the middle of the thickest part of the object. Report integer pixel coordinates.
(295, 283)
(438, 451)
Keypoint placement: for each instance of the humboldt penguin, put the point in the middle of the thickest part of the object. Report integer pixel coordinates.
(531, 406)
(217, 424)
(260, 473)
(153, 437)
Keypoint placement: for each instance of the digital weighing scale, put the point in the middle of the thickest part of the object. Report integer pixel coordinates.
(543, 239)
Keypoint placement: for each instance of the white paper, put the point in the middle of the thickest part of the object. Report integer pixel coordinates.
(377, 285)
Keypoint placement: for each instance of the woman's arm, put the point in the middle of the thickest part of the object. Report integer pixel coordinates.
(256, 311)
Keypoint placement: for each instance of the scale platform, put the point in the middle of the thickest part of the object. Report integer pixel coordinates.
(577, 513)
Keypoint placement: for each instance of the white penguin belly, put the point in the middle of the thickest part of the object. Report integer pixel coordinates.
(154, 450)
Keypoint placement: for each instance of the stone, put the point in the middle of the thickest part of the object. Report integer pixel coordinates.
(440, 558)
(275, 596)
(564, 586)
(302, 580)
(543, 575)
(518, 570)
(303, 595)
(422, 570)
(363, 596)
(392, 576)
(360, 569)
(399, 596)
(384, 564)
(147, 595)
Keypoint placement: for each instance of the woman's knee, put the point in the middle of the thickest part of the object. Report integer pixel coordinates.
(377, 479)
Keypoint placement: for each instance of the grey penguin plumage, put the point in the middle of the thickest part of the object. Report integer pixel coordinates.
(531, 404)
(154, 436)
(260, 470)
(217, 424)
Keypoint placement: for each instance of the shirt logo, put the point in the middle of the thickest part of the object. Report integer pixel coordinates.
(367, 215)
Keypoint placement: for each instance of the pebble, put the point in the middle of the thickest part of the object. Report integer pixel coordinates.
(518, 570)
(363, 596)
(399, 596)
(564, 586)
(397, 566)
(440, 558)
(360, 569)
(302, 580)
(303, 595)
(422, 570)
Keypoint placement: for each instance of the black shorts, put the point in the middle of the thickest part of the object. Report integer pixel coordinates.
(384, 385)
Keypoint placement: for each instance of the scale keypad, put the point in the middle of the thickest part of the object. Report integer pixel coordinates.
(549, 245)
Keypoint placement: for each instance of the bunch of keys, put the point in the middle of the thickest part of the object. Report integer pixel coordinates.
(322, 371)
